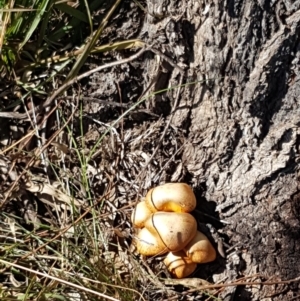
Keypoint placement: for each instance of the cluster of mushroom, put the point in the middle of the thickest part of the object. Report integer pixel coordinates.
(165, 225)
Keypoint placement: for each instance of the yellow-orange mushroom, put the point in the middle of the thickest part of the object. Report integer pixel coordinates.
(148, 244)
(140, 214)
(166, 231)
(179, 265)
(171, 197)
(200, 249)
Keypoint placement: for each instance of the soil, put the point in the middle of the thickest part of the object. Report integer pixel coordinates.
(237, 130)
(232, 133)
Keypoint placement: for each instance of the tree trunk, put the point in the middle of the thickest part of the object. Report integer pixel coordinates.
(242, 127)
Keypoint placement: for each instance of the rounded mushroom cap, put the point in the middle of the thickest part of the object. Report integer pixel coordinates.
(174, 230)
(200, 249)
(140, 214)
(179, 265)
(175, 197)
(147, 244)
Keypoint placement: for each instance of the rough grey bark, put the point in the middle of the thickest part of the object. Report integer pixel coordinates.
(242, 126)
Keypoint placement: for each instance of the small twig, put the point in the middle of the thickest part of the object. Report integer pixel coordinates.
(33, 158)
(73, 53)
(97, 100)
(171, 159)
(34, 123)
(165, 130)
(214, 218)
(62, 88)
(167, 59)
(250, 283)
(236, 283)
(121, 154)
(59, 280)
(62, 232)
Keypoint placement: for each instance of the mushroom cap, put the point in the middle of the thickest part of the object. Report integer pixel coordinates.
(179, 265)
(147, 244)
(140, 214)
(171, 229)
(200, 249)
(171, 197)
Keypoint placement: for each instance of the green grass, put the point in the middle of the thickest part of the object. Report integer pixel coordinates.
(73, 261)
(63, 251)
(72, 253)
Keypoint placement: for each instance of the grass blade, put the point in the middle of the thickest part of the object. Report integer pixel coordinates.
(89, 46)
(72, 12)
(35, 23)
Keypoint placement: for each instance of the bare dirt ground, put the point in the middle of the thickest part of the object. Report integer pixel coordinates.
(233, 136)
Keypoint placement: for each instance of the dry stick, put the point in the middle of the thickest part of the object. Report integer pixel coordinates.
(60, 233)
(161, 137)
(62, 88)
(104, 102)
(47, 103)
(59, 280)
(192, 283)
(182, 72)
(167, 59)
(165, 130)
(67, 228)
(171, 159)
(204, 287)
(54, 95)
(109, 285)
(100, 49)
(141, 99)
(71, 225)
(33, 158)
(29, 135)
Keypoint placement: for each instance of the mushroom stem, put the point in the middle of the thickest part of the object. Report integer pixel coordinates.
(200, 249)
(179, 265)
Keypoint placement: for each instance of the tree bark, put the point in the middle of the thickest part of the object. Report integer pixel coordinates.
(242, 127)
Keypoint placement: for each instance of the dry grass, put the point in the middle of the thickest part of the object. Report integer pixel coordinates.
(67, 185)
